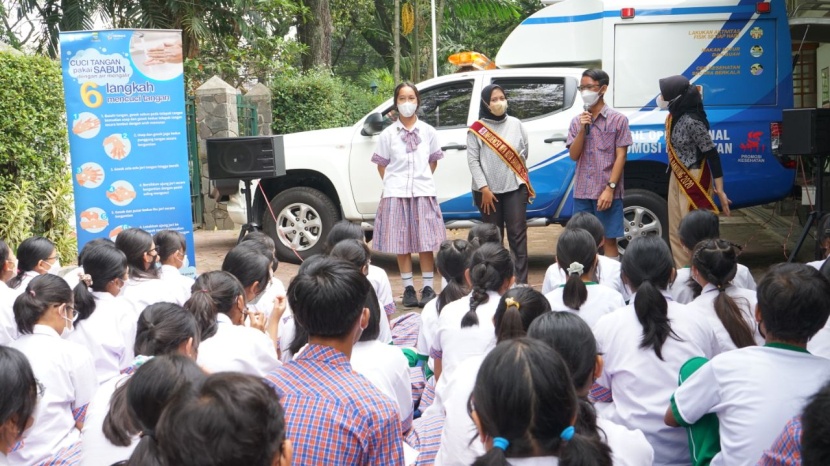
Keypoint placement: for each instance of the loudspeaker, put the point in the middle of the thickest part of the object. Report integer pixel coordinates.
(245, 158)
(806, 131)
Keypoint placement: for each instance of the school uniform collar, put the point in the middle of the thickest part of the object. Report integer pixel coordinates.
(399, 126)
(785, 346)
(223, 318)
(604, 112)
(103, 295)
(169, 269)
(39, 329)
(666, 294)
(324, 354)
(586, 284)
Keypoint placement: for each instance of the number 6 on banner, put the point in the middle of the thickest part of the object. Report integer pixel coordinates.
(87, 95)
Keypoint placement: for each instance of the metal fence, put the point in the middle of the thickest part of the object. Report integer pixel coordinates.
(247, 116)
(194, 162)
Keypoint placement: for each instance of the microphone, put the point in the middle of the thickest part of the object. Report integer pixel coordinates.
(587, 108)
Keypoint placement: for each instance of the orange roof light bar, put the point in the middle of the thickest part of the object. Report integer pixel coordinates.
(477, 60)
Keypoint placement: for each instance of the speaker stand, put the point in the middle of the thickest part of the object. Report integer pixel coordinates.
(251, 226)
(816, 214)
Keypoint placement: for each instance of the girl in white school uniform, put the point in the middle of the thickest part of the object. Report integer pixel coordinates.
(172, 251)
(524, 405)
(109, 435)
(106, 323)
(465, 327)
(44, 314)
(144, 285)
(35, 256)
(8, 268)
(264, 303)
(607, 270)
(697, 226)
(19, 400)
(218, 302)
(517, 309)
(576, 253)
(409, 219)
(731, 310)
(644, 345)
(572, 339)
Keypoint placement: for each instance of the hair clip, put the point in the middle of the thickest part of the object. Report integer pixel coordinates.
(511, 302)
(32, 292)
(501, 442)
(568, 433)
(576, 268)
(86, 278)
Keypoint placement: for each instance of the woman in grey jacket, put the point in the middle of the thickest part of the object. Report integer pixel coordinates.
(496, 153)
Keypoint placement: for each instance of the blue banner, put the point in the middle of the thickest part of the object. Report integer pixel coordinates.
(125, 106)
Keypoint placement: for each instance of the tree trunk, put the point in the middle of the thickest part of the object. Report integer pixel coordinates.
(416, 46)
(397, 51)
(315, 32)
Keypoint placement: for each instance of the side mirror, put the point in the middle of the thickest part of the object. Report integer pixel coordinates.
(373, 125)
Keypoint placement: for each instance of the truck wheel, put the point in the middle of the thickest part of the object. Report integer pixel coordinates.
(646, 214)
(304, 218)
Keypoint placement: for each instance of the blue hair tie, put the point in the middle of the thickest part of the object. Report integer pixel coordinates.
(567, 434)
(500, 442)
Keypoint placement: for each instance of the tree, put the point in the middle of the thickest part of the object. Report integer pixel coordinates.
(314, 31)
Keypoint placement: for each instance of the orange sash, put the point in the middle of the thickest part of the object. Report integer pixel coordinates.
(696, 190)
(507, 153)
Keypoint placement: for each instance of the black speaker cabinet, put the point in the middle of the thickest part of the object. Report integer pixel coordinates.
(245, 158)
(806, 131)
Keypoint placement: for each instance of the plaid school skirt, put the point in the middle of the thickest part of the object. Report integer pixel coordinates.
(406, 225)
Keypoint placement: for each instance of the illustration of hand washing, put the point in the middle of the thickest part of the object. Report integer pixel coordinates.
(90, 175)
(117, 146)
(121, 193)
(86, 125)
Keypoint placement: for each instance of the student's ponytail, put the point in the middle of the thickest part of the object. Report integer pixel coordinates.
(212, 293)
(517, 309)
(29, 254)
(490, 267)
(584, 450)
(452, 260)
(716, 262)
(102, 263)
(576, 254)
(41, 292)
(647, 267)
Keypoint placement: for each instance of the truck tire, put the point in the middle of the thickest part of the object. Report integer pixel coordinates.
(304, 217)
(646, 214)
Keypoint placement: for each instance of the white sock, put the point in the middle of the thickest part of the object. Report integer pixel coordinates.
(407, 279)
(428, 279)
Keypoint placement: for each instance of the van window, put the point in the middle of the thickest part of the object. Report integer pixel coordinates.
(530, 98)
(447, 106)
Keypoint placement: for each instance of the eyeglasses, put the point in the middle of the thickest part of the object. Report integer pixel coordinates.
(71, 309)
(589, 86)
(53, 258)
(41, 389)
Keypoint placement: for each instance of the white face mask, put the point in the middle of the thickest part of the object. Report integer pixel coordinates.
(54, 268)
(662, 103)
(407, 109)
(498, 108)
(68, 326)
(590, 97)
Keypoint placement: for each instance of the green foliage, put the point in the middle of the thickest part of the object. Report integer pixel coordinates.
(318, 100)
(35, 185)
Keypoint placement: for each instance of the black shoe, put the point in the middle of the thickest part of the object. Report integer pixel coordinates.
(410, 297)
(427, 295)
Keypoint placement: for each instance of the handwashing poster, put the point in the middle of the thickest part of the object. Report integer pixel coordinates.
(125, 106)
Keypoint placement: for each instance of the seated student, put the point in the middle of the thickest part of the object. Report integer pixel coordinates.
(144, 287)
(729, 308)
(106, 323)
(524, 406)
(517, 309)
(218, 303)
(576, 253)
(571, 337)
(8, 268)
(264, 303)
(824, 240)
(484, 233)
(465, 327)
(44, 314)
(607, 271)
(35, 256)
(695, 227)
(109, 434)
(240, 414)
(19, 400)
(334, 416)
(172, 250)
(384, 365)
(820, 343)
(777, 378)
(644, 345)
(804, 439)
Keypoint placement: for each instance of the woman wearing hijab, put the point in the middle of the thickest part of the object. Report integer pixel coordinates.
(496, 153)
(693, 158)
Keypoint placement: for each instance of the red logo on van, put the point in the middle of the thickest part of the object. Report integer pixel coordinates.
(753, 142)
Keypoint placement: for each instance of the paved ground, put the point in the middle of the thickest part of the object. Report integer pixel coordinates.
(760, 230)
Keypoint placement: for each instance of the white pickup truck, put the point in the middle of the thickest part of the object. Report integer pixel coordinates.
(715, 43)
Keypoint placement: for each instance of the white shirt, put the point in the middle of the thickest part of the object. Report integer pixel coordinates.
(171, 274)
(816, 264)
(108, 334)
(601, 300)
(97, 450)
(628, 447)
(746, 301)
(236, 348)
(459, 428)
(819, 345)
(429, 325)
(383, 289)
(641, 382)
(388, 370)
(145, 292)
(682, 293)
(456, 344)
(408, 173)
(265, 304)
(8, 327)
(754, 391)
(535, 461)
(609, 275)
(24, 282)
(68, 376)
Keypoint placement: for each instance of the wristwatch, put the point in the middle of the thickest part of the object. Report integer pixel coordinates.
(612, 185)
